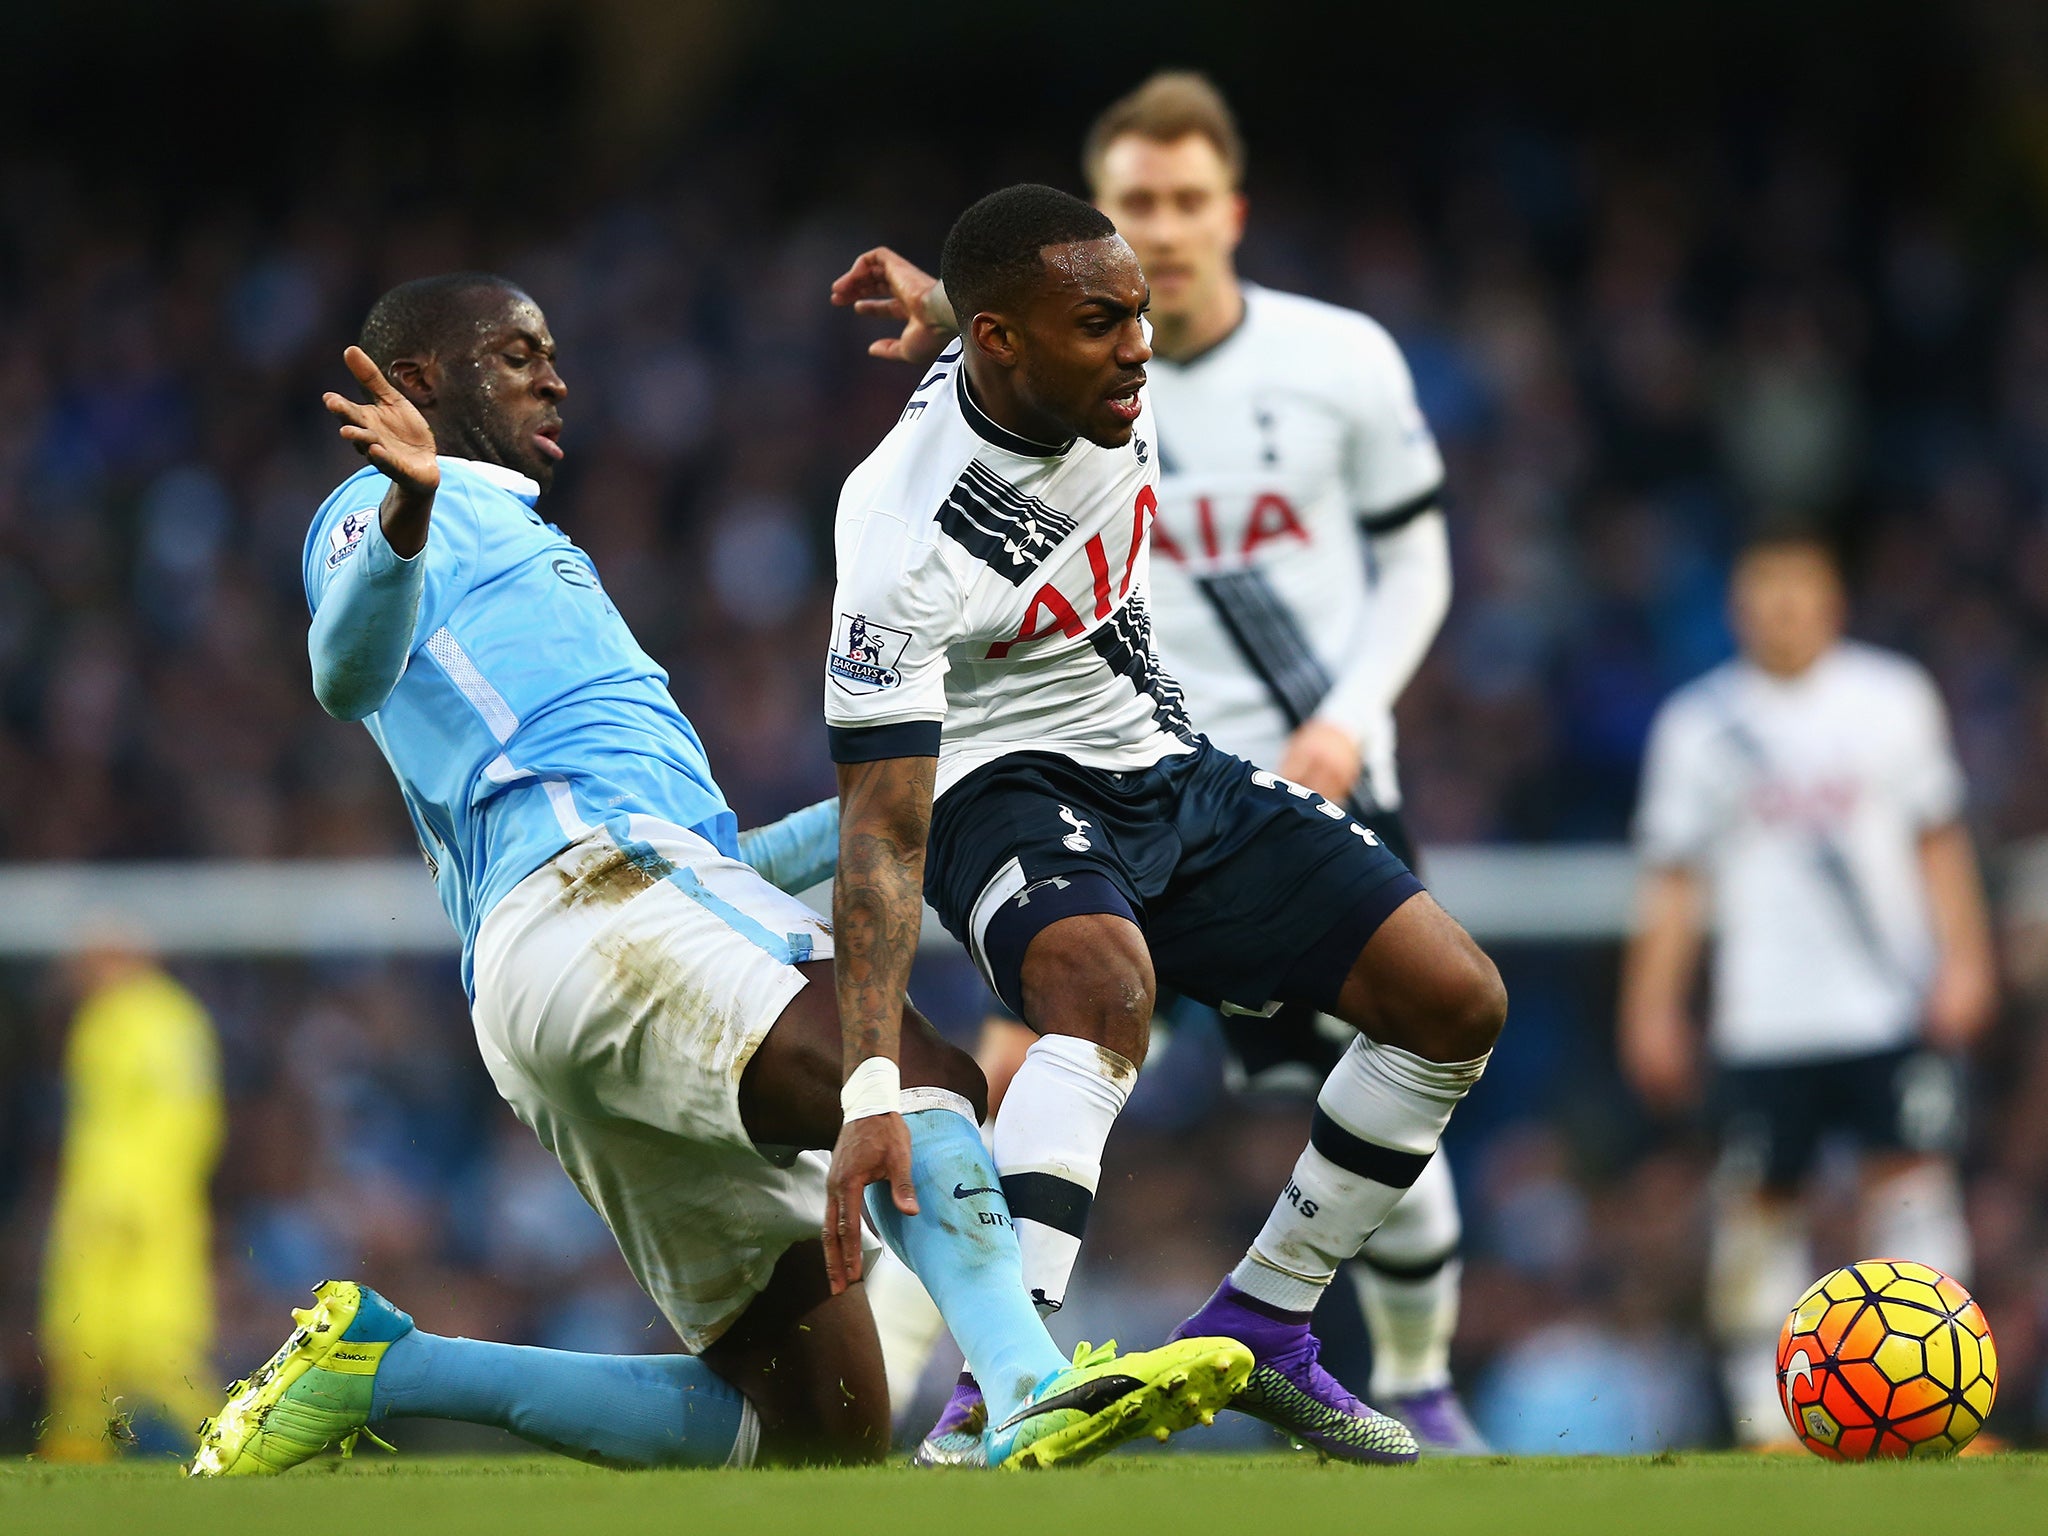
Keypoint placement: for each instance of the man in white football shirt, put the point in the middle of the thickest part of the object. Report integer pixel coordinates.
(1085, 844)
(1802, 801)
(1301, 569)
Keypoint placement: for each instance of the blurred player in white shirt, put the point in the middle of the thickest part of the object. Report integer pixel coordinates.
(1804, 803)
(1301, 569)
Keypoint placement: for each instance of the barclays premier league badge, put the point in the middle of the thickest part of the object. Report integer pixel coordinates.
(347, 534)
(864, 654)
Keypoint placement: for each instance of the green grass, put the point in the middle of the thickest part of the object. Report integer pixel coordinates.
(1282, 1495)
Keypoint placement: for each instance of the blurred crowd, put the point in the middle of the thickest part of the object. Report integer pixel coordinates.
(1630, 356)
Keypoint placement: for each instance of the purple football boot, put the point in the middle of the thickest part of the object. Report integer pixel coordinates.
(1439, 1422)
(956, 1440)
(1289, 1390)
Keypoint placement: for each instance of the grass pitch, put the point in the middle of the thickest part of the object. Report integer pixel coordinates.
(1151, 1496)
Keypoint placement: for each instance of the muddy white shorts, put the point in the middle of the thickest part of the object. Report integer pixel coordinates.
(621, 990)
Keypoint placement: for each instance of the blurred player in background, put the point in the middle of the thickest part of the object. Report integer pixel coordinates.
(647, 998)
(1803, 803)
(1301, 568)
(128, 1275)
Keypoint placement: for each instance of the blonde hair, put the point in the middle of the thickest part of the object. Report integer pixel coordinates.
(1168, 107)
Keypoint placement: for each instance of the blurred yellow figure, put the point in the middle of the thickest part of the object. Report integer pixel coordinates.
(127, 1278)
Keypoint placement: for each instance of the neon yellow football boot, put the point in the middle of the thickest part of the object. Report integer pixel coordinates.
(1104, 1399)
(313, 1393)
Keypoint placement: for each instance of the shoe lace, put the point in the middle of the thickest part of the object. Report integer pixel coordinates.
(348, 1442)
(1307, 1358)
(1086, 1354)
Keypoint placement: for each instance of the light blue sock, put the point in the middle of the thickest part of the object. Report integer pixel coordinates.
(962, 1246)
(617, 1410)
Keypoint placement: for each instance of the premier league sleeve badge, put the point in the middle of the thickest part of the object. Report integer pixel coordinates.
(865, 654)
(347, 534)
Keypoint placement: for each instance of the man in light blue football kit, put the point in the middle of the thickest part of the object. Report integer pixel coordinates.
(643, 995)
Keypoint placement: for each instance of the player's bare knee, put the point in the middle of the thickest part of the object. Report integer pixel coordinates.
(1477, 1011)
(1111, 1006)
(1466, 1001)
(1092, 978)
(1428, 988)
(1458, 1014)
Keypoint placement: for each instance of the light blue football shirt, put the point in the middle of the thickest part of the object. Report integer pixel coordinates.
(526, 714)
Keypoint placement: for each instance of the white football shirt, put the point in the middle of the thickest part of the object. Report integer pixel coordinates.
(991, 596)
(1275, 446)
(1801, 801)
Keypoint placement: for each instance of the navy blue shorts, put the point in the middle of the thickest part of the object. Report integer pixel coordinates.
(1774, 1119)
(1295, 1046)
(1251, 892)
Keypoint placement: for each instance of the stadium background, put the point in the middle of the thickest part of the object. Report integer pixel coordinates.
(1660, 276)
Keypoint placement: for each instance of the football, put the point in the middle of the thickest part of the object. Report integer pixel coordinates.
(1886, 1358)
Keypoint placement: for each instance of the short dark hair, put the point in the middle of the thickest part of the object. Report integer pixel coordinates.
(419, 317)
(993, 249)
(1166, 109)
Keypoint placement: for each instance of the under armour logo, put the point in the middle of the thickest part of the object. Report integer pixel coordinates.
(1023, 897)
(1075, 841)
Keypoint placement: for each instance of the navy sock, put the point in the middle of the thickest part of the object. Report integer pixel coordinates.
(618, 1410)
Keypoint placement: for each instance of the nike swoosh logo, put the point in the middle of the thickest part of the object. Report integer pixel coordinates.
(960, 1193)
(1089, 1397)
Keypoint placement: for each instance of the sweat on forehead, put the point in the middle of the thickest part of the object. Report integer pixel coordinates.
(1090, 264)
(437, 315)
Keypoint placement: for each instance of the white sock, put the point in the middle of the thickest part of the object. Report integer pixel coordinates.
(1048, 1149)
(1407, 1278)
(1378, 1120)
(1919, 1215)
(909, 1324)
(1757, 1266)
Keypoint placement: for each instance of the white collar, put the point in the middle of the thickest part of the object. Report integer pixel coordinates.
(526, 489)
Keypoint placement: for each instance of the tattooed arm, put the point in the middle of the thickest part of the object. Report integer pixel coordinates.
(878, 898)
(877, 905)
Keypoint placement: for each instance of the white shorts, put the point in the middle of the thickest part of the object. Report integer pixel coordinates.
(621, 990)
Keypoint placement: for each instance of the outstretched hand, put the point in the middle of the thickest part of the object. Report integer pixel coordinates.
(882, 283)
(874, 1149)
(389, 431)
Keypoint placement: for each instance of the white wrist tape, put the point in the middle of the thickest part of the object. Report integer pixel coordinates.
(875, 1087)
